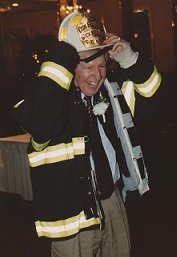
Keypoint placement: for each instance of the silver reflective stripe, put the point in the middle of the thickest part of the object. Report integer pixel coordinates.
(56, 73)
(57, 153)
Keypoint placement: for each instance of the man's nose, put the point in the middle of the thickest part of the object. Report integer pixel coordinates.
(97, 73)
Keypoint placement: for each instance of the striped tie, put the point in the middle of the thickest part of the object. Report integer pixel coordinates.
(105, 183)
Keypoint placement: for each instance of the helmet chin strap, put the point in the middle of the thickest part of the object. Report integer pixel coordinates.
(96, 55)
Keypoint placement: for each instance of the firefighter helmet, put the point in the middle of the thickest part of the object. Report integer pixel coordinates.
(82, 31)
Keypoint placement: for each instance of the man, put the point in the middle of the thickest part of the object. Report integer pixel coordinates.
(81, 211)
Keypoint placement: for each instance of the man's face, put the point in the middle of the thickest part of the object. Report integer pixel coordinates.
(90, 76)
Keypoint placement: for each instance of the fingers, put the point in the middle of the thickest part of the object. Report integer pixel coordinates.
(118, 43)
(111, 38)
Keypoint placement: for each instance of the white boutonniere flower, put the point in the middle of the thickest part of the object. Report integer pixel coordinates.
(101, 106)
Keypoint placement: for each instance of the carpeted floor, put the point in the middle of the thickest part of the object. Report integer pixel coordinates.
(17, 233)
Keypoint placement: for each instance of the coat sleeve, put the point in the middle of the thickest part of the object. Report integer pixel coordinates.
(152, 94)
(146, 91)
(43, 113)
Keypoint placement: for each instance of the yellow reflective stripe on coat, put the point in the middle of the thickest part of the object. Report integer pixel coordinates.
(57, 73)
(146, 89)
(129, 94)
(17, 105)
(64, 228)
(39, 147)
(57, 153)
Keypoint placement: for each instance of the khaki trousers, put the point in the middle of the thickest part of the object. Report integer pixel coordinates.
(112, 241)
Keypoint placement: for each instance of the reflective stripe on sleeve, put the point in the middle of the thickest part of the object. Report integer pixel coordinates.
(17, 105)
(149, 88)
(57, 73)
(146, 89)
